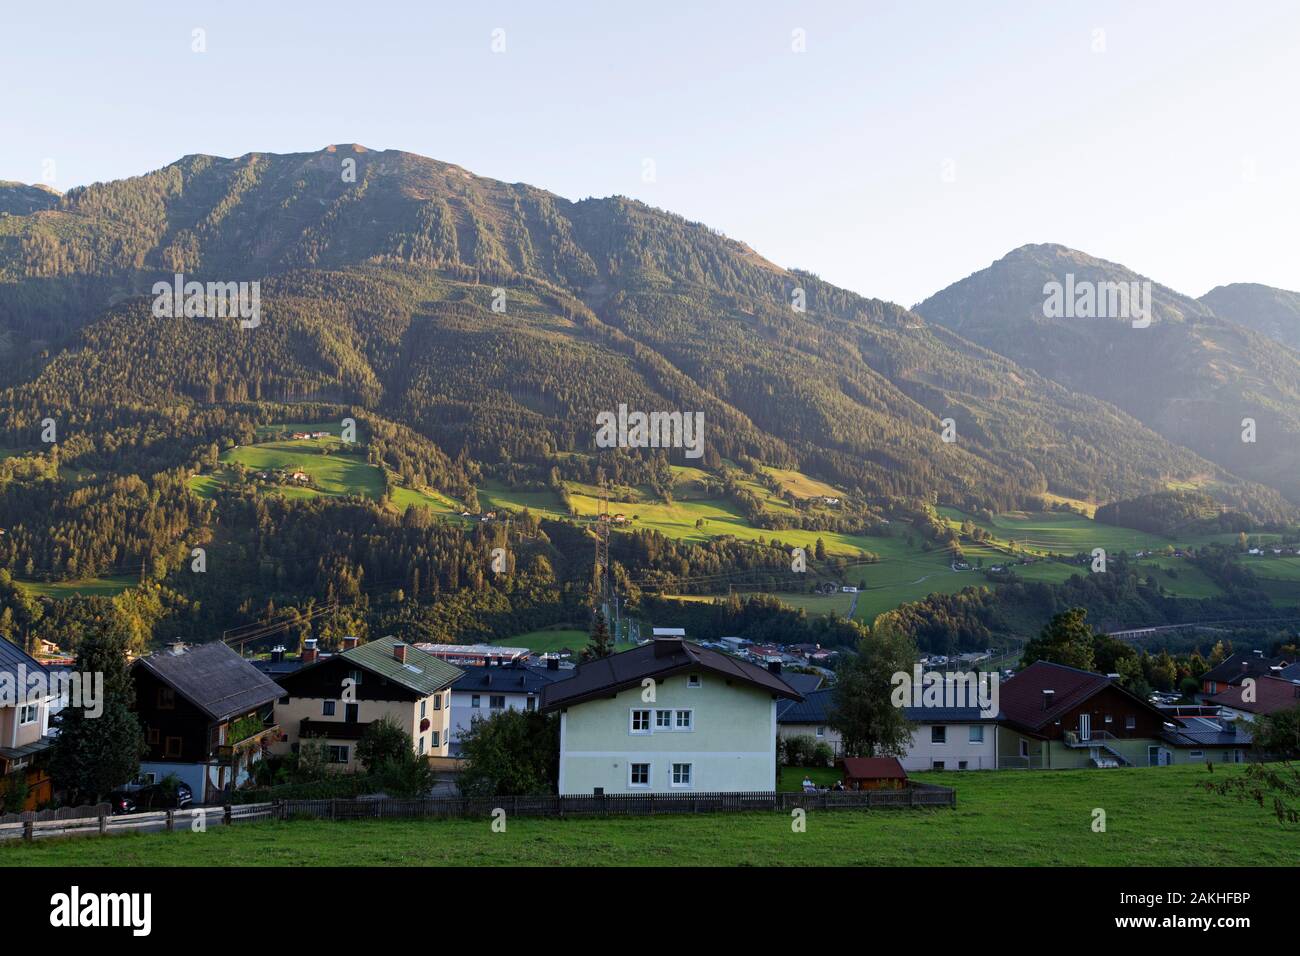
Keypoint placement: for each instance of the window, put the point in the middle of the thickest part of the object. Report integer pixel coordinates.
(638, 775)
(155, 737)
(497, 701)
(351, 713)
(821, 731)
(327, 708)
(681, 775)
(436, 742)
(937, 765)
(27, 714)
(664, 719)
(173, 747)
(977, 734)
(473, 701)
(166, 698)
(684, 720)
(1024, 747)
(338, 754)
(355, 677)
(640, 721)
(961, 764)
(1109, 719)
(1130, 722)
(693, 680)
(421, 743)
(437, 702)
(1196, 754)
(938, 735)
(423, 707)
(532, 703)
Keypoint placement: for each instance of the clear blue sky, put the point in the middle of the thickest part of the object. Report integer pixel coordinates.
(1175, 151)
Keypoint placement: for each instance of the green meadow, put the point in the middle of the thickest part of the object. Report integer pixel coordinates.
(106, 586)
(1153, 817)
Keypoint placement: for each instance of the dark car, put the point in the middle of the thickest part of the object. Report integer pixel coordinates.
(140, 798)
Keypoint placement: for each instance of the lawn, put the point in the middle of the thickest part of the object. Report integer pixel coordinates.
(549, 640)
(1154, 817)
(89, 587)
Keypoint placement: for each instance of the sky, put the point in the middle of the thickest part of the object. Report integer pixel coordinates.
(891, 148)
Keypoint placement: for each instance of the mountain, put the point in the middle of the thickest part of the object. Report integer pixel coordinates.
(1191, 375)
(1272, 312)
(18, 199)
(497, 319)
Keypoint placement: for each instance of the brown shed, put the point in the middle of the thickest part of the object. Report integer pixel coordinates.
(874, 773)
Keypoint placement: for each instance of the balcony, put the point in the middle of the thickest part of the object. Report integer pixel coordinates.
(333, 729)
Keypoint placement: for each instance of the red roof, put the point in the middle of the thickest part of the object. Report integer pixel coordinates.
(1021, 696)
(873, 768)
(1272, 694)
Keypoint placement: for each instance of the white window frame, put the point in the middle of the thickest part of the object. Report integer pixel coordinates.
(665, 725)
(35, 711)
(690, 720)
(649, 775)
(821, 731)
(942, 731)
(690, 776)
(631, 722)
(976, 734)
(474, 700)
(693, 681)
(1195, 754)
(1130, 722)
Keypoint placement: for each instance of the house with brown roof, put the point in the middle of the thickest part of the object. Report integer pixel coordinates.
(1235, 668)
(669, 716)
(208, 715)
(1260, 696)
(1057, 717)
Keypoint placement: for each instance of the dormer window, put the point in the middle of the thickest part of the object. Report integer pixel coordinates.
(693, 680)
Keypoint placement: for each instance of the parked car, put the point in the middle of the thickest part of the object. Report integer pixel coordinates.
(139, 798)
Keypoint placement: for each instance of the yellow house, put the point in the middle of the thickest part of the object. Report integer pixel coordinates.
(333, 699)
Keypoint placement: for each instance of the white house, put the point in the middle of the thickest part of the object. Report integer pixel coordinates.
(667, 717)
(945, 738)
(490, 689)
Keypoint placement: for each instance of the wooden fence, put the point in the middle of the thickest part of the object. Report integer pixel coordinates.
(157, 820)
(618, 804)
(62, 813)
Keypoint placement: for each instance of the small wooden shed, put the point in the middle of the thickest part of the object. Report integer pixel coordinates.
(874, 773)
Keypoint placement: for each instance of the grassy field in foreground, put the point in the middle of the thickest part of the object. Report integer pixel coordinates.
(1154, 816)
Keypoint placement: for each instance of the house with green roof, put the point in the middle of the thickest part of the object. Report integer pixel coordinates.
(332, 700)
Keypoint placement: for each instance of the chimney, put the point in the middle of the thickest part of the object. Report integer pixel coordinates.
(1245, 666)
(309, 650)
(349, 642)
(399, 651)
(176, 647)
(774, 667)
(552, 663)
(667, 646)
(1048, 697)
(277, 654)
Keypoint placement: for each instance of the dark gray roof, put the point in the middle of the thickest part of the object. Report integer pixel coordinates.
(213, 678)
(1236, 666)
(803, 683)
(815, 709)
(12, 656)
(507, 680)
(27, 750)
(657, 659)
(1208, 732)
